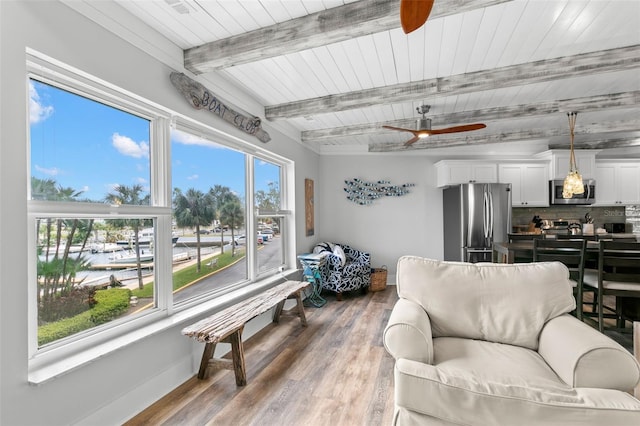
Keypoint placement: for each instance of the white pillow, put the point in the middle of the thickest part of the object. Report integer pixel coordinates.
(337, 251)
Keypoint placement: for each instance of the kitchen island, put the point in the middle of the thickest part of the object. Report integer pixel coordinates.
(507, 252)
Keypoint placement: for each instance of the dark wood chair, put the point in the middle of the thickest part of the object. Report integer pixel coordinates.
(572, 254)
(618, 275)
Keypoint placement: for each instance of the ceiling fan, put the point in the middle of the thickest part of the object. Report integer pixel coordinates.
(414, 13)
(423, 128)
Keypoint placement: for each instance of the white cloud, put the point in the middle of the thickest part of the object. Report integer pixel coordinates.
(37, 111)
(129, 147)
(54, 171)
(190, 139)
(193, 177)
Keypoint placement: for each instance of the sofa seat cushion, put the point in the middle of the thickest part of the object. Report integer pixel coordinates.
(494, 302)
(493, 362)
(460, 397)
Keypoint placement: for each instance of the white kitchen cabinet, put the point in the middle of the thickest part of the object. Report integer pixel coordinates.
(529, 183)
(617, 183)
(585, 161)
(456, 172)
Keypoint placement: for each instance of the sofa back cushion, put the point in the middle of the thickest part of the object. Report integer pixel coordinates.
(494, 302)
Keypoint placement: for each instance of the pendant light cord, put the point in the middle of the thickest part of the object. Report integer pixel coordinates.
(572, 157)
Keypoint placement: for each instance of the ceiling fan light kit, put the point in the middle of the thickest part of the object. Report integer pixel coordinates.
(573, 183)
(424, 130)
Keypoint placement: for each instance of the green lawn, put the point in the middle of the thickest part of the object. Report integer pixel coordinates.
(190, 274)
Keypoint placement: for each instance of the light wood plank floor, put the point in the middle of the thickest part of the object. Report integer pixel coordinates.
(333, 372)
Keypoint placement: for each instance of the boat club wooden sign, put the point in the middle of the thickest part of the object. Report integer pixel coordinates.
(200, 97)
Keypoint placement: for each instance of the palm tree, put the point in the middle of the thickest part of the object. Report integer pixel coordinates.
(58, 272)
(193, 209)
(131, 195)
(232, 215)
(220, 196)
(269, 201)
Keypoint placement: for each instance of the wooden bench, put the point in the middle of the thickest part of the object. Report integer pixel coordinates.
(226, 326)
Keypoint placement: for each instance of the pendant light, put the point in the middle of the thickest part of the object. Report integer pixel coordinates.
(573, 182)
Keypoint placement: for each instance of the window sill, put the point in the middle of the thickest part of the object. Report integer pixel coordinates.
(48, 366)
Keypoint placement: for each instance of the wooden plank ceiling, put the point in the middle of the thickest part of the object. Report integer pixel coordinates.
(337, 70)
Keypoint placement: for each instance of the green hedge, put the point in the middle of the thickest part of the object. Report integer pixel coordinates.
(110, 304)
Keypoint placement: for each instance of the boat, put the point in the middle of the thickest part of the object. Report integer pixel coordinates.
(130, 257)
(105, 248)
(146, 256)
(145, 238)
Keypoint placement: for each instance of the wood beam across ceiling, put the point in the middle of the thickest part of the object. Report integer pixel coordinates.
(523, 135)
(585, 64)
(318, 29)
(586, 104)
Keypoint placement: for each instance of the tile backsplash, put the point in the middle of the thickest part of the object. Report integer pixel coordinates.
(601, 215)
(632, 215)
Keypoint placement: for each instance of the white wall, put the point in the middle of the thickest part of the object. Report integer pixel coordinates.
(119, 384)
(391, 226)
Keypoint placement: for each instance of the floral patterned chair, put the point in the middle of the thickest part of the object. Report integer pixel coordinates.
(344, 269)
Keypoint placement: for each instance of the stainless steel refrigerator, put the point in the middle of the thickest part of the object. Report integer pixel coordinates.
(475, 216)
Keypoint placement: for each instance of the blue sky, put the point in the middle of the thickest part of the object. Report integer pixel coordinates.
(92, 147)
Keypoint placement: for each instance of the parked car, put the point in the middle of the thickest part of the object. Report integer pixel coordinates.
(241, 240)
(203, 231)
(267, 231)
(265, 237)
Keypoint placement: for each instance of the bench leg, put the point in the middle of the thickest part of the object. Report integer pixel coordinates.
(278, 311)
(303, 318)
(237, 353)
(300, 308)
(209, 348)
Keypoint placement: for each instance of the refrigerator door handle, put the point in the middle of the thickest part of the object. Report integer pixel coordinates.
(491, 215)
(485, 212)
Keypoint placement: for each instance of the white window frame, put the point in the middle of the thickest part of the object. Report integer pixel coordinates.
(60, 356)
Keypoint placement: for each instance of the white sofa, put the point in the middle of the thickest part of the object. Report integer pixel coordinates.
(493, 344)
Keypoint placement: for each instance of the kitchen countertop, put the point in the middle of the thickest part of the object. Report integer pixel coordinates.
(599, 235)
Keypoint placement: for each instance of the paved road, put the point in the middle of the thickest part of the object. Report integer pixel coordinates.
(268, 256)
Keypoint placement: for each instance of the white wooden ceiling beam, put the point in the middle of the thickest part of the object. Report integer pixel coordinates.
(586, 104)
(483, 138)
(318, 29)
(585, 64)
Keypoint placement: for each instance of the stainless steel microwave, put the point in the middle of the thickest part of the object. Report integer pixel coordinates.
(588, 197)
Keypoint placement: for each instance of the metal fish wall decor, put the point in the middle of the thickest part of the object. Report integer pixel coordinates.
(364, 193)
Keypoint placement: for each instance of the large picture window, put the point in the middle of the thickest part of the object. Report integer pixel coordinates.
(136, 213)
(209, 210)
(268, 201)
(91, 269)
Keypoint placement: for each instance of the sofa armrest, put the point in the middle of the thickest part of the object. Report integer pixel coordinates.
(408, 332)
(584, 357)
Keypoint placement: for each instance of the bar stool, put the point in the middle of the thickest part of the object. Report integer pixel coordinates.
(572, 254)
(618, 275)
